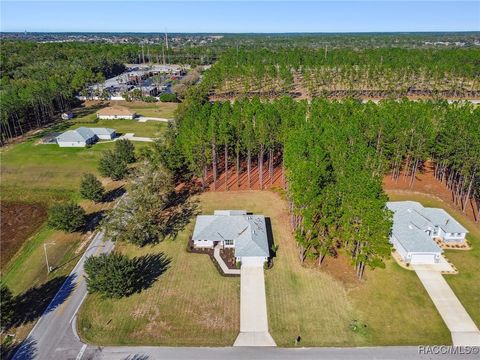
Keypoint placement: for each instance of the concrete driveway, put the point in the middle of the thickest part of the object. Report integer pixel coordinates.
(463, 329)
(253, 308)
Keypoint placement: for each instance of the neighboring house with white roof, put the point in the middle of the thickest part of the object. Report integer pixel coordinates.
(414, 230)
(246, 233)
(116, 112)
(84, 136)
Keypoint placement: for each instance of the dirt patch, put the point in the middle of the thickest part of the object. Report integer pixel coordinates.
(19, 221)
(426, 183)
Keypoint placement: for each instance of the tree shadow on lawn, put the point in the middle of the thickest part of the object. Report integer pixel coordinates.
(149, 268)
(179, 213)
(30, 305)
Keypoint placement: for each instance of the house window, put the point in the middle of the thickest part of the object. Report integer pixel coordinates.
(228, 242)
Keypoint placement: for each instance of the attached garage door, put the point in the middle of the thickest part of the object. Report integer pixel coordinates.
(423, 259)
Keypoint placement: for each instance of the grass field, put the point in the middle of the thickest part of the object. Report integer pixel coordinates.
(33, 172)
(466, 284)
(192, 305)
(158, 109)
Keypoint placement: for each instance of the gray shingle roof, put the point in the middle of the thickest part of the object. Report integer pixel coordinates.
(443, 219)
(248, 231)
(73, 136)
(102, 131)
(83, 134)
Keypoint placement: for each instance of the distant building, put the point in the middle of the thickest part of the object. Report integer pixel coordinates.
(415, 228)
(236, 229)
(115, 112)
(67, 115)
(84, 136)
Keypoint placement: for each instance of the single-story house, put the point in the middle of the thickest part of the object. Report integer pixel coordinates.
(116, 112)
(236, 229)
(415, 228)
(84, 136)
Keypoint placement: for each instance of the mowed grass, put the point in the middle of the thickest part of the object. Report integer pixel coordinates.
(158, 109)
(34, 172)
(465, 284)
(192, 305)
(122, 126)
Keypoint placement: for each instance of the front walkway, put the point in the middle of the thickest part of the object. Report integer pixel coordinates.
(225, 269)
(463, 329)
(253, 308)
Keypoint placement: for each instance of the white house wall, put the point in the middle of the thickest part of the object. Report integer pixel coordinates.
(72, 144)
(203, 243)
(252, 260)
(454, 237)
(113, 117)
(400, 249)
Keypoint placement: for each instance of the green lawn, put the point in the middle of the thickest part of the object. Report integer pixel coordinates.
(149, 129)
(465, 284)
(34, 172)
(158, 109)
(189, 305)
(192, 305)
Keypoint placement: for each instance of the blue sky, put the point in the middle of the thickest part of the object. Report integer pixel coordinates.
(236, 16)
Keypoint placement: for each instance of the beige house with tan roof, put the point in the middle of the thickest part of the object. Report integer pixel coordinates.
(116, 112)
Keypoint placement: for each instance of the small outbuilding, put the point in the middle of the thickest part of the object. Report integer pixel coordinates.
(116, 112)
(67, 116)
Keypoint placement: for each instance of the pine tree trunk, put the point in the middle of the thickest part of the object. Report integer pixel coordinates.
(214, 161)
(238, 169)
(226, 167)
(467, 197)
(249, 165)
(260, 167)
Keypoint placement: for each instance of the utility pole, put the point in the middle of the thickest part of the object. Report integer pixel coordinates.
(46, 256)
(143, 55)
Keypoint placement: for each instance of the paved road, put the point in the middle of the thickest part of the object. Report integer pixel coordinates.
(270, 353)
(53, 336)
(463, 329)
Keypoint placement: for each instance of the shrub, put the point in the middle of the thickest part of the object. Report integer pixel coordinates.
(6, 307)
(168, 97)
(125, 150)
(91, 188)
(112, 275)
(112, 165)
(66, 216)
(150, 99)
